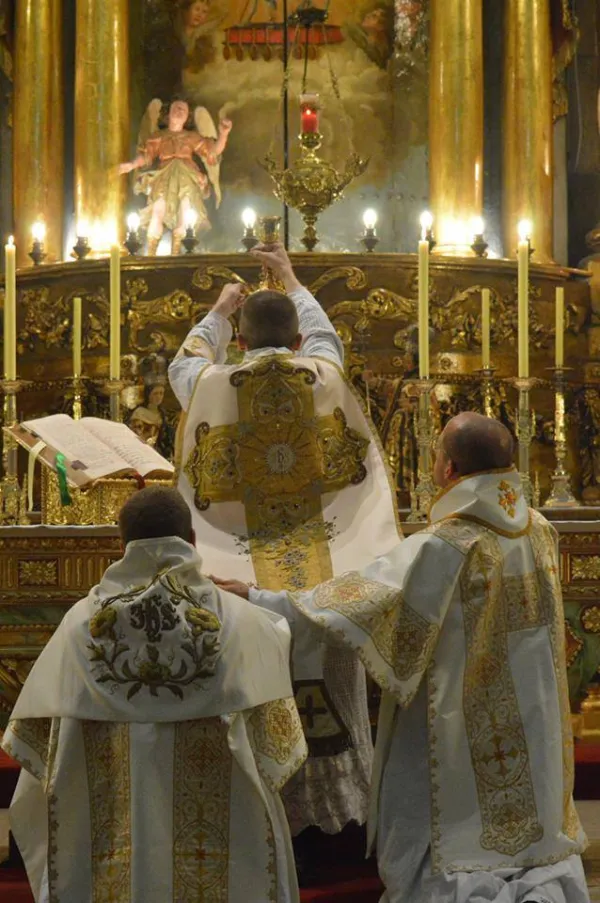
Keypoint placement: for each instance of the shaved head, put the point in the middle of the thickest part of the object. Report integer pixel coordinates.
(472, 443)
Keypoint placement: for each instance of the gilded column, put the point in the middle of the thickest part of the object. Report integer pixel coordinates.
(527, 126)
(38, 125)
(455, 120)
(101, 116)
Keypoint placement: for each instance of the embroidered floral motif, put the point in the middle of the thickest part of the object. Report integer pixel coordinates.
(402, 637)
(507, 498)
(120, 662)
(201, 807)
(277, 729)
(106, 747)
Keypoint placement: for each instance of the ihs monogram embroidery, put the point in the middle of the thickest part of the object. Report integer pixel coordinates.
(507, 498)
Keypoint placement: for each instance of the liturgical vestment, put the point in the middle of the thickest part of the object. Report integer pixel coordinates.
(288, 486)
(154, 742)
(462, 626)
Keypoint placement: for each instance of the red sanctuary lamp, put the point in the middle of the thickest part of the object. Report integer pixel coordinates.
(309, 114)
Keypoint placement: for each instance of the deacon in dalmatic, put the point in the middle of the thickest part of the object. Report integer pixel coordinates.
(288, 488)
(153, 739)
(462, 626)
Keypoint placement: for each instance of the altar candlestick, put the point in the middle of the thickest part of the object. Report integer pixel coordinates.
(76, 336)
(423, 304)
(10, 311)
(560, 327)
(485, 329)
(115, 312)
(523, 297)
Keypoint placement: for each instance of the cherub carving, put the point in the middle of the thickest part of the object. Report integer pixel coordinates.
(179, 162)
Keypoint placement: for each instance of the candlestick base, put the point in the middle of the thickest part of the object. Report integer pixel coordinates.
(425, 491)
(561, 495)
(37, 253)
(480, 246)
(369, 240)
(81, 248)
(249, 239)
(133, 242)
(190, 242)
(525, 432)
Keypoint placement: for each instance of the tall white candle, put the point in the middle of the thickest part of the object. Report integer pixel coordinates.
(10, 310)
(76, 336)
(523, 297)
(485, 329)
(560, 327)
(423, 296)
(115, 312)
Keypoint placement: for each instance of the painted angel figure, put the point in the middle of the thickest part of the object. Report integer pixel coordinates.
(179, 158)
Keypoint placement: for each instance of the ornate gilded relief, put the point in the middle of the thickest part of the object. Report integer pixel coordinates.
(585, 567)
(40, 572)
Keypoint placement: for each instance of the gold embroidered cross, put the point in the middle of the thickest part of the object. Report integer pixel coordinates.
(278, 460)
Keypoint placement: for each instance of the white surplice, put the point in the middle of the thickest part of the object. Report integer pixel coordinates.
(463, 628)
(154, 741)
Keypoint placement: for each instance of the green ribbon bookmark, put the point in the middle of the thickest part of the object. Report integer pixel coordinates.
(61, 471)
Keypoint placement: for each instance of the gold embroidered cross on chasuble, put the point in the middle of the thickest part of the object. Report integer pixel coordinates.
(279, 459)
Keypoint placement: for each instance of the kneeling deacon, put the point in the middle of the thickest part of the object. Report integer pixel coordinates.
(153, 739)
(462, 626)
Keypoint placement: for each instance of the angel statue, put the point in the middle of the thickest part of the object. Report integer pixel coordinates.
(179, 158)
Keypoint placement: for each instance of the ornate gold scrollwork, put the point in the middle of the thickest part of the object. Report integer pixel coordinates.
(169, 310)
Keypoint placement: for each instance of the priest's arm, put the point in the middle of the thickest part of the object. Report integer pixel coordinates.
(207, 342)
(391, 613)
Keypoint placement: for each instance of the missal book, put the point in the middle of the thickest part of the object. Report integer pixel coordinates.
(94, 449)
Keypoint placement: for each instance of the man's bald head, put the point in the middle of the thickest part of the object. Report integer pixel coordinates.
(472, 443)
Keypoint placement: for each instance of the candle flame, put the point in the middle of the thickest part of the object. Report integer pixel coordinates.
(249, 218)
(11, 241)
(83, 229)
(477, 225)
(524, 229)
(38, 231)
(191, 218)
(133, 222)
(370, 218)
(426, 221)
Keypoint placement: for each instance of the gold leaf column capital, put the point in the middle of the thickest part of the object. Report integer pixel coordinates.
(455, 120)
(101, 112)
(38, 125)
(528, 175)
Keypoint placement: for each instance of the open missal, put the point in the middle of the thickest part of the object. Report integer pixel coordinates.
(93, 448)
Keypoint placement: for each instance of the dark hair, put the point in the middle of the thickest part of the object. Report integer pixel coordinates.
(476, 443)
(155, 512)
(269, 320)
(163, 116)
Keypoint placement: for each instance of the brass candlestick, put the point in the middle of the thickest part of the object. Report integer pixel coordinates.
(487, 380)
(82, 247)
(78, 386)
(114, 388)
(37, 253)
(525, 432)
(11, 495)
(369, 239)
(425, 490)
(561, 495)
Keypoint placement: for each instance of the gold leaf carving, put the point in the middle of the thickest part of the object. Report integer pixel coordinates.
(355, 279)
(169, 310)
(40, 572)
(585, 567)
(590, 619)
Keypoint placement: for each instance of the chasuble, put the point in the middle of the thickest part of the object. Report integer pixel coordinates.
(462, 626)
(154, 743)
(288, 486)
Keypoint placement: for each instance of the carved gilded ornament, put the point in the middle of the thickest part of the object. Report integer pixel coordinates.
(40, 572)
(585, 567)
(590, 619)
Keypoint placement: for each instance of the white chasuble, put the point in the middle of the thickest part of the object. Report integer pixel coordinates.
(462, 626)
(154, 743)
(288, 487)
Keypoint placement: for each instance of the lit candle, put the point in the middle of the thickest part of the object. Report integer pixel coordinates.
(115, 312)
(249, 218)
(76, 336)
(485, 329)
(133, 222)
(10, 310)
(560, 327)
(309, 113)
(190, 219)
(523, 297)
(38, 232)
(426, 223)
(370, 218)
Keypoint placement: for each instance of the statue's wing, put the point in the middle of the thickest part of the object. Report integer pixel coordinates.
(206, 129)
(149, 123)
